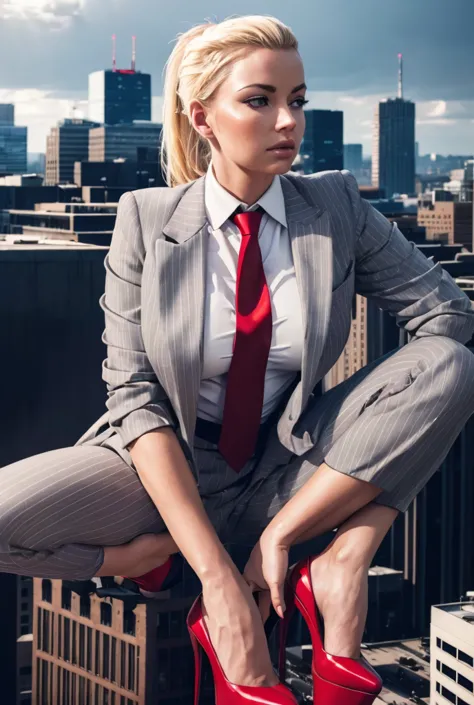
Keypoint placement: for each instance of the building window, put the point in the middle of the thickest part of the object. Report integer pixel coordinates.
(449, 649)
(450, 672)
(106, 614)
(67, 639)
(465, 682)
(448, 694)
(465, 658)
(85, 606)
(46, 591)
(65, 598)
(129, 622)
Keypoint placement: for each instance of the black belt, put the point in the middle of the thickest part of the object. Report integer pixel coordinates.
(211, 431)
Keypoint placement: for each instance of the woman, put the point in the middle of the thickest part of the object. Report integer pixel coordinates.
(220, 326)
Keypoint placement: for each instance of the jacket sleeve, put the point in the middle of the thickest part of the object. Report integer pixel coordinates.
(421, 295)
(136, 400)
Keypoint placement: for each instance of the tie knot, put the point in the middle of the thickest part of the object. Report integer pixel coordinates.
(248, 222)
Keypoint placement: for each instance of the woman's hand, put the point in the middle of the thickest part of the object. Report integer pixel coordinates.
(266, 571)
(237, 632)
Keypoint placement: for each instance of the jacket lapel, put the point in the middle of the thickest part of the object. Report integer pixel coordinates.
(309, 229)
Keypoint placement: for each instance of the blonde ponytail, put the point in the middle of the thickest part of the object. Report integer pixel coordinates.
(201, 60)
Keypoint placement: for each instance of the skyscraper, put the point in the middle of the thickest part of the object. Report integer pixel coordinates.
(123, 141)
(322, 145)
(353, 157)
(67, 143)
(7, 114)
(13, 142)
(119, 96)
(393, 147)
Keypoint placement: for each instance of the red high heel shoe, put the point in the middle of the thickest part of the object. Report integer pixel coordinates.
(336, 679)
(227, 693)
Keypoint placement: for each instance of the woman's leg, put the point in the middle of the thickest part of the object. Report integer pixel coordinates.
(70, 513)
(340, 577)
(378, 438)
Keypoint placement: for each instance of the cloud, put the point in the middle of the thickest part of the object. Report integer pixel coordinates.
(443, 112)
(55, 13)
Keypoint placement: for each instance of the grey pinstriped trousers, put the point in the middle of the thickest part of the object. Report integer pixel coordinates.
(392, 424)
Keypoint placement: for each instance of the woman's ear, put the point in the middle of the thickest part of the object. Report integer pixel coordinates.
(199, 119)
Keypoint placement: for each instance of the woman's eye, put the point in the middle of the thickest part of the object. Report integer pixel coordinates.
(302, 102)
(251, 101)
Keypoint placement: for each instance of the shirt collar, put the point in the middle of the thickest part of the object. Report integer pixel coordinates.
(220, 204)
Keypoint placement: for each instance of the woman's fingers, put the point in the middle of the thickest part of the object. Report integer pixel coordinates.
(278, 598)
(264, 604)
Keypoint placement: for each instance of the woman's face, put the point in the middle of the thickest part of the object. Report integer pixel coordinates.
(259, 105)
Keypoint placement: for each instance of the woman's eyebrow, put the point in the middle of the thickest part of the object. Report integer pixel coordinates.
(271, 89)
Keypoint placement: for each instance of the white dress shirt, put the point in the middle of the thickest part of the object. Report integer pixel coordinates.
(284, 359)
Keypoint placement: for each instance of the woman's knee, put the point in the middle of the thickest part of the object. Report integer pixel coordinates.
(449, 358)
(458, 362)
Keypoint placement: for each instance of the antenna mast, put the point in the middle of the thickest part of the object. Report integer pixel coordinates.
(400, 76)
(114, 54)
(134, 52)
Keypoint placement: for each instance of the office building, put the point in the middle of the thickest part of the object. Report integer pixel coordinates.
(322, 144)
(7, 114)
(393, 145)
(393, 154)
(124, 141)
(66, 144)
(354, 355)
(91, 223)
(448, 221)
(113, 178)
(452, 654)
(120, 96)
(95, 650)
(353, 158)
(13, 142)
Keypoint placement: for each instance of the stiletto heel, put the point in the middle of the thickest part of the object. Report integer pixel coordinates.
(227, 693)
(284, 626)
(336, 679)
(197, 666)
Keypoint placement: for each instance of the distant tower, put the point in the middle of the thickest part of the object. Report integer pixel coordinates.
(13, 142)
(120, 96)
(393, 149)
(322, 144)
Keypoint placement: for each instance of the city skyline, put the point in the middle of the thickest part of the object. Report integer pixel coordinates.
(51, 77)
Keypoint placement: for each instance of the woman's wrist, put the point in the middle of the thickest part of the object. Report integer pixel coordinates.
(218, 571)
(277, 534)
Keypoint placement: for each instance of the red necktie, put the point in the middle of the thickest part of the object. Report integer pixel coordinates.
(246, 376)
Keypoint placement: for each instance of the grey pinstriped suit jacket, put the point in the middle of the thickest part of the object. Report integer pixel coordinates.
(154, 296)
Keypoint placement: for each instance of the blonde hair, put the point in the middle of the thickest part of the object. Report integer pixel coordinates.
(201, 60)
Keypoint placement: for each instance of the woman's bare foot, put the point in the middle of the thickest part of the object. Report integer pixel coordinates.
(340, 587)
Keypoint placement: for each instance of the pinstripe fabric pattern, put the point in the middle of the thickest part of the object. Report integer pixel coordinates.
(392, 423)
(154, 299)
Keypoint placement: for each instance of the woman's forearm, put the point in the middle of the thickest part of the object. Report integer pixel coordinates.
(315, 507)
(166, 476)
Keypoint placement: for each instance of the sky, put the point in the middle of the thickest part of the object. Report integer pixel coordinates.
(349, 50)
